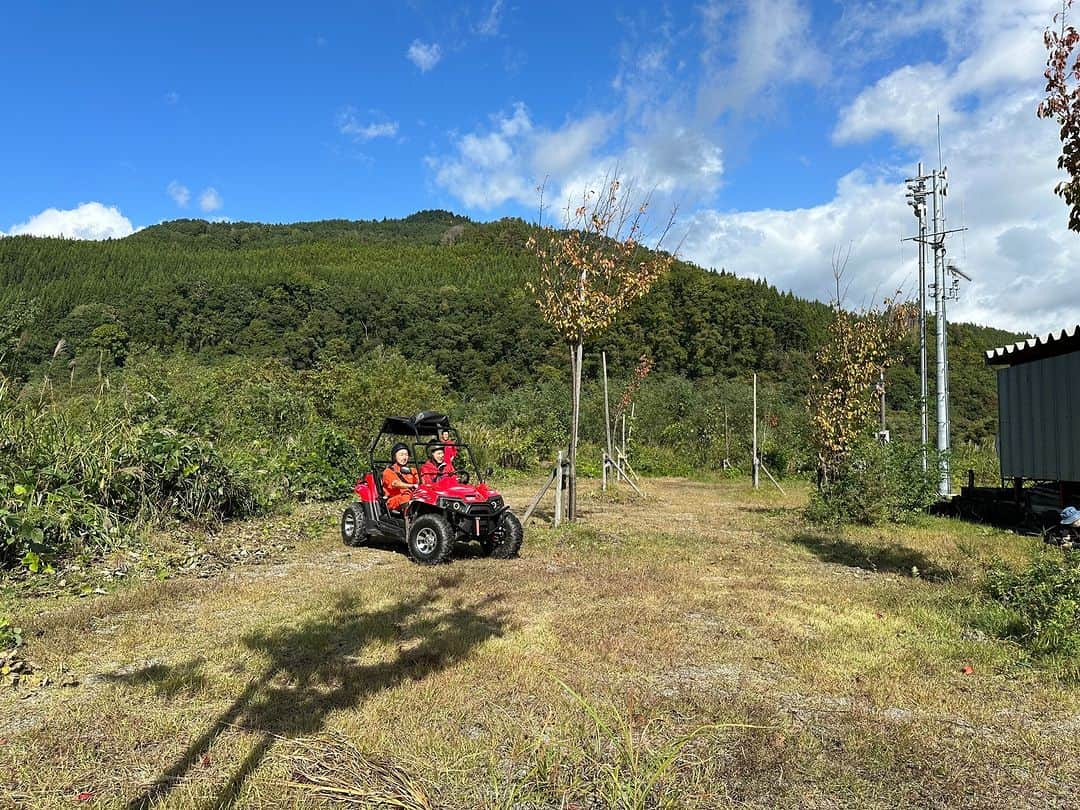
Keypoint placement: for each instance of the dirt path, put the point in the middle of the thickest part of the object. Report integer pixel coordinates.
(701, 647)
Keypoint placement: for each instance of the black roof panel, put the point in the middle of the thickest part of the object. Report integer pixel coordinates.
(425, 423)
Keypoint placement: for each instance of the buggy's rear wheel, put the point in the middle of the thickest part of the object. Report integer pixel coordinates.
(506, 539)
(431, 539)
(352, 525)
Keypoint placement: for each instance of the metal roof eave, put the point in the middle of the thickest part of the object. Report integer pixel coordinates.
(1036, 348)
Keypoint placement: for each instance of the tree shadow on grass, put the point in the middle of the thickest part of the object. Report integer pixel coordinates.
(313, 671)
(166, 680)
(893, 558)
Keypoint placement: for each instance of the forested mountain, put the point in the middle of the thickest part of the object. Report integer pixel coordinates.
(438, 288)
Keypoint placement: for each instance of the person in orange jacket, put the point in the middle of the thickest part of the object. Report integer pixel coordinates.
(399, 479)
(436, 468)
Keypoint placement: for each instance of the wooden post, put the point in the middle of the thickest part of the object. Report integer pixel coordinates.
(755, 475)
(629, 480)
(607, 422)
(775, 482)
(727, 441)
(622, 454)
(559, 489)
(539, 495)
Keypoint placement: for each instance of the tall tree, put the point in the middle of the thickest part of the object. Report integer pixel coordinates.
(1062, 103)
(858, 348)
(591, 270)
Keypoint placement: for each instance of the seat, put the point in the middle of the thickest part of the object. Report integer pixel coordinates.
(377, 468)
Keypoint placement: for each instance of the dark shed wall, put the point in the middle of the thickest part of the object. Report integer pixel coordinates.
(1039, 430)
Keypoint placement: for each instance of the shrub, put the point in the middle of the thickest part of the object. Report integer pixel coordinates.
(877, 483)
(317, 464)
(80, 474)
(1039, 607)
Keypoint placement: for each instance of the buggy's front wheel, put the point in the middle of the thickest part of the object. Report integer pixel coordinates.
(431, 539)
(506, 539)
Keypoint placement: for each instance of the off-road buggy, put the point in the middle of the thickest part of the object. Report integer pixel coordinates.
(439, 514)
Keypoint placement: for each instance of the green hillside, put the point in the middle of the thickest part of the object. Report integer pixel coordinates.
(438, 288)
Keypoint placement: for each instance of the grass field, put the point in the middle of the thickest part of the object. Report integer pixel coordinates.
(702, 648)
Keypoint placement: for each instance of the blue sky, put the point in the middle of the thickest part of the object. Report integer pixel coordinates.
(782, 131)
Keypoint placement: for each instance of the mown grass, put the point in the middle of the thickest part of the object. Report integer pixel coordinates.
(702, 648)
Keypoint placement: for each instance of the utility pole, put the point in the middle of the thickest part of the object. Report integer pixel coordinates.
(917, 200)
(940, 187)
(917, 193)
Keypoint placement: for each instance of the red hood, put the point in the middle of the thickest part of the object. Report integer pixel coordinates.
(450, 488)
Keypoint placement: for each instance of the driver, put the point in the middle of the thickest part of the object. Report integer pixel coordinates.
(399, 480)
(437, 467)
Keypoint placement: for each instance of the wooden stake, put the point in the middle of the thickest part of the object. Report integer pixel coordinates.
(775, 482)
(622, 453)
(607, 421)
(615, 464)
(539, 495)
(559, 490)
(755, 475)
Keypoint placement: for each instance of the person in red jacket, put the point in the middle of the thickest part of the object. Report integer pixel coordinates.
(436, 468)
(448, 443)
(399, 479)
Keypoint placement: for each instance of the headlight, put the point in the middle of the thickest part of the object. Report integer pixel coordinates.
(457, 506)
(496, 503)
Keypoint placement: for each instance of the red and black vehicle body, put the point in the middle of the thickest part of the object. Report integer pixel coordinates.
(441, 512)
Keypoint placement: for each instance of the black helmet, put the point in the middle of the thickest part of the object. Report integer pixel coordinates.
(396, 447)
(433, 445)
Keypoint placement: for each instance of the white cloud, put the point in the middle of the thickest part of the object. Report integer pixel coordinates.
(767, 45)
(180, 193)
(90, 220)
(489, 169)
(1004, 50)
(1002, 168)
(349, 124)
(210, 200)
(424, 56)
(510, 159)
(1002, 163)
(904, 104)
(490, 24)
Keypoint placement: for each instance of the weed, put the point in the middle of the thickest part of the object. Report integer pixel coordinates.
(1039, 607)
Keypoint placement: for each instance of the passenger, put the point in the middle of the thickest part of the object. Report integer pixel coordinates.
(436, 468)
(398, 479)
(449, 444)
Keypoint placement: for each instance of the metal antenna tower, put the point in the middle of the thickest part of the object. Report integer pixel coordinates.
(916, 196)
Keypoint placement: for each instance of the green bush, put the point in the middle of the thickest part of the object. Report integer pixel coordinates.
(878, 483)
(318, 464)
(1038, 606)
(78, 476)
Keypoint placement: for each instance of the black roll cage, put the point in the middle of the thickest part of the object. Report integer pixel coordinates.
(422, 425)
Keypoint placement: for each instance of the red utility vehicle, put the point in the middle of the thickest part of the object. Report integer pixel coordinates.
(439, 514)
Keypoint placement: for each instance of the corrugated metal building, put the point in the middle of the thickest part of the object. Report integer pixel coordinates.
(1038, 429)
